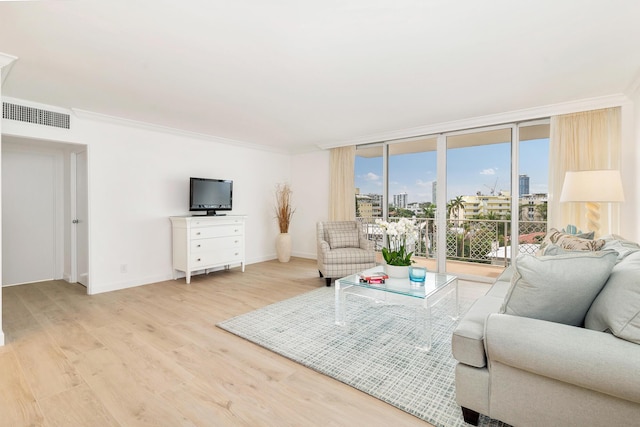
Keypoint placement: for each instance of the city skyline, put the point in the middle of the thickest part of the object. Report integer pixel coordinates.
(470, 170)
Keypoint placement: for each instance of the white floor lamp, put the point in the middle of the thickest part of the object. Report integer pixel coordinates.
(592, 187)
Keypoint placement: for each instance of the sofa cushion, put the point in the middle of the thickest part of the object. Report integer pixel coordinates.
(569, 242)
(467, 342)
(617, 307)
(557, 288)
(349, 256)
(344, 238)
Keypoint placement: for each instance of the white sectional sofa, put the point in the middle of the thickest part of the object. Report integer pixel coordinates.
(549, 345)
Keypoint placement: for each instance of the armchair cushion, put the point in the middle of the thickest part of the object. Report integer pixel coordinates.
(344, 238)
(558, 288)
(349, 256)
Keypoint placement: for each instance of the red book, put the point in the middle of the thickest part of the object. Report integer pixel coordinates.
(376, 277)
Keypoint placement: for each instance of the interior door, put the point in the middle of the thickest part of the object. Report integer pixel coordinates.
(81, 220)
(29, 213)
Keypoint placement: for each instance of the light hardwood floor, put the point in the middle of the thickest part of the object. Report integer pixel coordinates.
(152, 356)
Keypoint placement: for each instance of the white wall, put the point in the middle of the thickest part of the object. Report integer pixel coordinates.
(310, 185)
(139, 177)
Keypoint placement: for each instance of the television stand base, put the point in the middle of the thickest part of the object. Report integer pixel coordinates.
(213, 213)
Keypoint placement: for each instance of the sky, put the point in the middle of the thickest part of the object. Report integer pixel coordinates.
(469, 170)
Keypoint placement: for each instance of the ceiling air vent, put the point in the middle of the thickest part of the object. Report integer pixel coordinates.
(34, 115)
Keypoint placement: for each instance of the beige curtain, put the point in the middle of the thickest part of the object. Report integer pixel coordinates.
(583, 141)
(342, 198)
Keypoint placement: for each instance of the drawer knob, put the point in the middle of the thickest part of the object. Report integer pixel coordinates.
(198, 259)
(198, 233)
(197, 246)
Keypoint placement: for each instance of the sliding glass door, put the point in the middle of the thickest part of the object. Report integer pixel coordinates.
(472, 193)
(412, 177)
(479, 194)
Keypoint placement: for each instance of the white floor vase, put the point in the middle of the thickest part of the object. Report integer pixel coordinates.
(283, 247)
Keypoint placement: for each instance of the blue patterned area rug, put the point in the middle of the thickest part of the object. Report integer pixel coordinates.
(374, 354)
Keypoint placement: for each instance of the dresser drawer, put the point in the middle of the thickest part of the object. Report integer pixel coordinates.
(199, 246)
(220, 256)
(215, 222)
(216, 231)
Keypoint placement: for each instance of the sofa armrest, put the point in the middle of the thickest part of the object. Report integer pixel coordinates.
(590, 359)
(323, 247)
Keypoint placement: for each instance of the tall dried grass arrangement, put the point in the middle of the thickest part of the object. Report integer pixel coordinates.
(284, 211)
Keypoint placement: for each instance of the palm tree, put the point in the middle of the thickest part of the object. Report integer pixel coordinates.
(492, 216)
(455, 205)
(541, 210)
(430, 211)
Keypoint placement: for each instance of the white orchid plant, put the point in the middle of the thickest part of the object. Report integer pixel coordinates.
(400, 235)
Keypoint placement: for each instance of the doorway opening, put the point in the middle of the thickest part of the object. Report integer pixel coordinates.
(44, 196)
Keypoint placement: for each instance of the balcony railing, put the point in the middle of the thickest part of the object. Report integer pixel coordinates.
(471, 240)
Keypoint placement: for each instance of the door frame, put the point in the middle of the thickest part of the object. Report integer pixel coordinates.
(73, 187)
(73, 273)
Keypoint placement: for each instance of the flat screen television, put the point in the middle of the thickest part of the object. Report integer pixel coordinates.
(210, 195)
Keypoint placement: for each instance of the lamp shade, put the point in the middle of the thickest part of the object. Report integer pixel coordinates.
(592, 186)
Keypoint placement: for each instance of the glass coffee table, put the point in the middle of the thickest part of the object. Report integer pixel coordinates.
(421, 297)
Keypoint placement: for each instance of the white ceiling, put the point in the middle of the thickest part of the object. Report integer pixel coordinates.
(294, 74)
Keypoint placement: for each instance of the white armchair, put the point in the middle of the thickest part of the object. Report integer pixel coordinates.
(343, 249)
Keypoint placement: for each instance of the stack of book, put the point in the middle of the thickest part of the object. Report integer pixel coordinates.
(375, 278)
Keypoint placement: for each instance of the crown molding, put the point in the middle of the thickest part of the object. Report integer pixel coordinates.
(587, 104)
(6, 62)
(634, 86)
(89, 115)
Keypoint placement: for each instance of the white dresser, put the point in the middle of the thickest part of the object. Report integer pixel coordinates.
(207, 242)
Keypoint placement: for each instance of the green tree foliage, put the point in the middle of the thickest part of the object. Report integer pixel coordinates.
(454, 206)
(542, 210)
(430, 211)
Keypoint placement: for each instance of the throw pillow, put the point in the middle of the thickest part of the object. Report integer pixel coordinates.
(617, 308)
(344, 238)
(621, 245)
(569, 242)
(551, 249)
(557, 288)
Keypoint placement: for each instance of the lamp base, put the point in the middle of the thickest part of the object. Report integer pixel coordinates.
(593, 217)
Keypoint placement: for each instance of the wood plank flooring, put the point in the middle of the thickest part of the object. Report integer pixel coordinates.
(152, 356)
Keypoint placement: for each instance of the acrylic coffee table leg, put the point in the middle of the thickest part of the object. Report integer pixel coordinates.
(340, 303)
(423, 327)
(457, 302)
